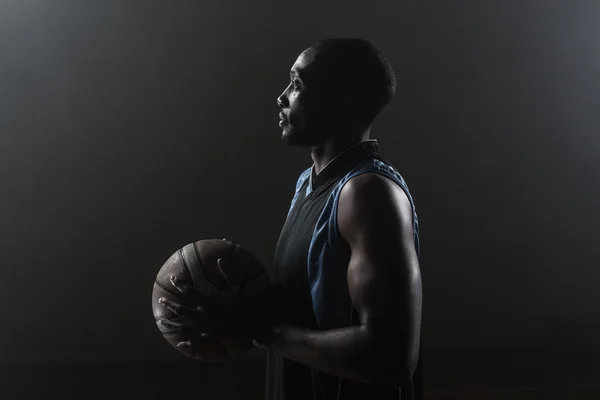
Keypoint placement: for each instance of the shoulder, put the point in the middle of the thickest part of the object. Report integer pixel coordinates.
(371, 189)
(371, 201)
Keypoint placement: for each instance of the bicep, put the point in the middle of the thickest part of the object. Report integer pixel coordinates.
(384, 278)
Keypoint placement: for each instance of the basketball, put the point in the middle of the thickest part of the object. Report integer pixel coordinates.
(196, 265)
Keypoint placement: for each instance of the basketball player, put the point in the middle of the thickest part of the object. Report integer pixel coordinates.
(346, 264)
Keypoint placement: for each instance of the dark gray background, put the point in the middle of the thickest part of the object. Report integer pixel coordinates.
(129, 129)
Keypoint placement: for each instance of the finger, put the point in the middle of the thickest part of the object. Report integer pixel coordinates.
(179, 284)
(187, 290)
(180, 309)
(257, 344)
(172, 325)
(230, 276)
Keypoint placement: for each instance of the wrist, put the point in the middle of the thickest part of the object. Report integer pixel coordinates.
(276, 337)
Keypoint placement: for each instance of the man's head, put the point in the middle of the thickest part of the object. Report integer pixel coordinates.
(337, 87)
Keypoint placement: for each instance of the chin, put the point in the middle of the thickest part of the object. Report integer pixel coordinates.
(293, 137)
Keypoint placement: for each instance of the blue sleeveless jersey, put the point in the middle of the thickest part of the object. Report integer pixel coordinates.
(310, 266)
(327, 260)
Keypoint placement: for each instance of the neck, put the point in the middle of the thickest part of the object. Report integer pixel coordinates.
(323, 154)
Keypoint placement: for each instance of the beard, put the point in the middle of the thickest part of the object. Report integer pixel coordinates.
(297, 137)
(303, 136)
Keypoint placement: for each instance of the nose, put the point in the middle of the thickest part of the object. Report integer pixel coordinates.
(282, 100)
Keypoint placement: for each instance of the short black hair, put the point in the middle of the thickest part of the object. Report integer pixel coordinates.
(357, 68)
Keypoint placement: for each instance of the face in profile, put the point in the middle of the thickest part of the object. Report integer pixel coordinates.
(306, 110)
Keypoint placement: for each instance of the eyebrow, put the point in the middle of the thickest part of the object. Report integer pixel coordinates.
(294, 72)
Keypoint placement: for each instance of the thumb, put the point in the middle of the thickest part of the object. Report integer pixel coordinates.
(259, 345)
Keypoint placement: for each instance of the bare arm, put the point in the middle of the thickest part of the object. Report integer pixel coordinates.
(384, 282)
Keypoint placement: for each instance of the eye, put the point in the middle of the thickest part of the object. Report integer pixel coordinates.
(295, 83)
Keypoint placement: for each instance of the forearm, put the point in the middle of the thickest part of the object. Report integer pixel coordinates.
(347, 353)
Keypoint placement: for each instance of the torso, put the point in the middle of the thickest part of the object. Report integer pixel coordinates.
(318, 295)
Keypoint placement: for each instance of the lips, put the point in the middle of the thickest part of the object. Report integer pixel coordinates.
(283, 117)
